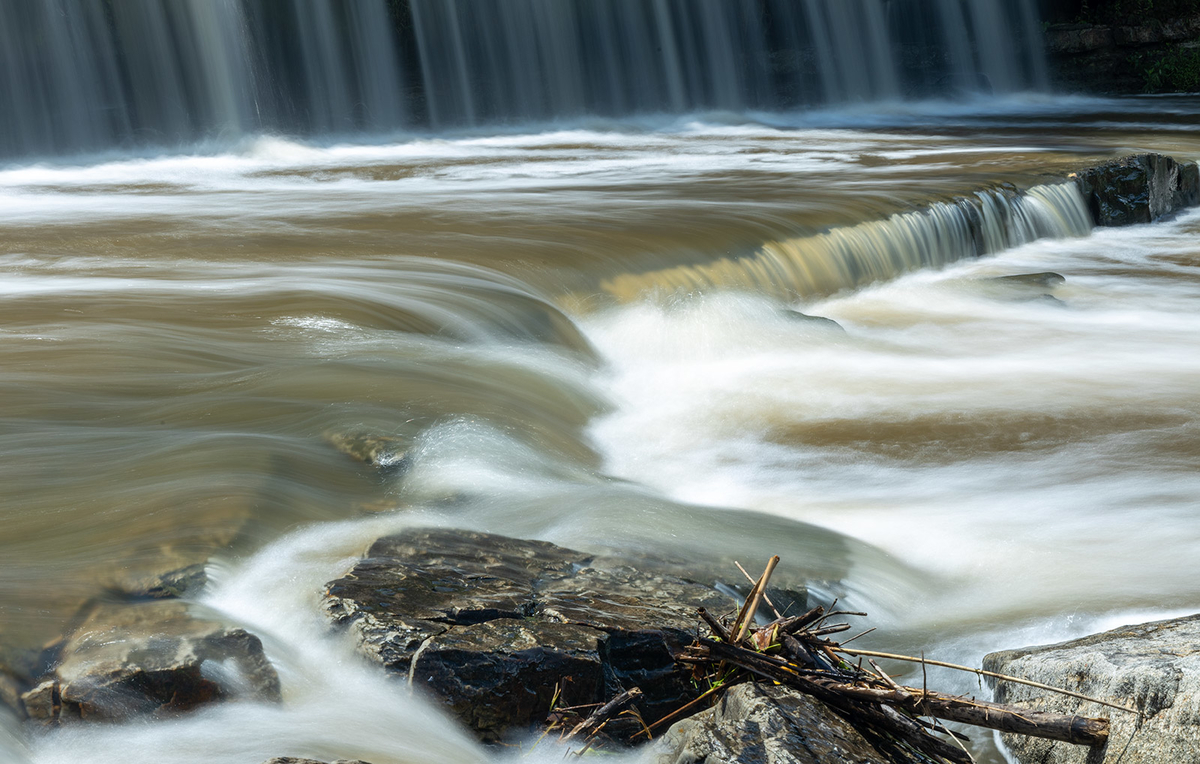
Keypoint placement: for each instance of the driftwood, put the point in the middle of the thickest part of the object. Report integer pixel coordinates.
(1068, 729)
(793, 652)
(983, 672)
(601, 716)
(797, 652)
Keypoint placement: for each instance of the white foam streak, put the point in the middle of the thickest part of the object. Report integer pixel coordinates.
(334, 706)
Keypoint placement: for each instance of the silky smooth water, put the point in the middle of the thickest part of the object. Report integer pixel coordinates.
(83, 75)
(979, 464)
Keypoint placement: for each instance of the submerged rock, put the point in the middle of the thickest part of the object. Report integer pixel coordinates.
(17, 669)
(817, 321)
(1140, 188)
(383, 452)
(1043, 280)
(760, 724)
(1154, 667)
(1026, 287)
(498, 627)
(150, 658)
(169, 584)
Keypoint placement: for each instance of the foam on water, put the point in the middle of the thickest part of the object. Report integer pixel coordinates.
(334, 706)
(983, 453)
(977, 429)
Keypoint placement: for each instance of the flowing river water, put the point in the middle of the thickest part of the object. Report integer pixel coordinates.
(981, 464)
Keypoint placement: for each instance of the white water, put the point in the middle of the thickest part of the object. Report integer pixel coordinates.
(974, 431)
(1000, 469)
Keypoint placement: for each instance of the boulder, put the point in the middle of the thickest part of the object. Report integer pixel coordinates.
(1154, 667)
(761, 724)
(496, 627)
(1140, 188)
(149, 659)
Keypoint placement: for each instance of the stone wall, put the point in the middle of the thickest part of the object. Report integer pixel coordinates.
(1146, 56)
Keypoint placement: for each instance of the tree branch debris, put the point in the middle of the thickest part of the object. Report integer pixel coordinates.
(795, 652)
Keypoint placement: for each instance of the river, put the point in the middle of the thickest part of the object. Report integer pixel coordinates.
(980, 464)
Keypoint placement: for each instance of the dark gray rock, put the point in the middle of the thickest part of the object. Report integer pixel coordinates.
(1140, 188)
(149, 659)
(815, 321)
(1154, 667)
(496, 627)
(760, 724)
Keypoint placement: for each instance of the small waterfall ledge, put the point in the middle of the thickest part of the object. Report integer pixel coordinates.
(1135, 189)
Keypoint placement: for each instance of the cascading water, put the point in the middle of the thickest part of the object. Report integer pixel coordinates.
(82, 75)
(984, 455)
(842, 258)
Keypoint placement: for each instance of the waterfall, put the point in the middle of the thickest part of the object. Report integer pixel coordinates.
(81, 75)
(851, 256)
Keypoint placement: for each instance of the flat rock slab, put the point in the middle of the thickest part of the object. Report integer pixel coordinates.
(497, 627)
(760, 724)
(1154, 667)
(149, 659)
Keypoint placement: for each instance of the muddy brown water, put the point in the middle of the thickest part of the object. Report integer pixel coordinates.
(180, 334)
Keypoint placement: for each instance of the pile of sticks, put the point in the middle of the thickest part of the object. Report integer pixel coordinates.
(798, 652)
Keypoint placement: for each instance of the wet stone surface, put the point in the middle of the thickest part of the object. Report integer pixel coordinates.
(149, 659)
(384, 452)
(1140, 188)
(494, 626)
(760, 724)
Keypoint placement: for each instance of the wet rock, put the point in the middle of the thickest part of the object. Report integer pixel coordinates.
(759, 724)
(41, 704)
(195, 531)
(1043, 280)
(383, 452)
(1138, 189)
(495, 627)
(1154, 667)
(821, 321)
(168, 584)
(150, 659)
